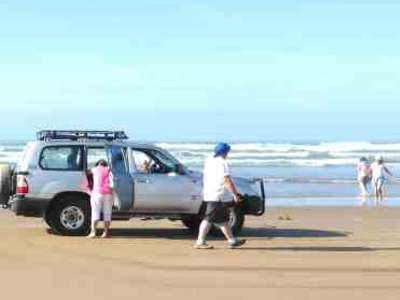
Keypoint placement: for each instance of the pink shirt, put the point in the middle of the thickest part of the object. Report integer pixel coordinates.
(101, 180)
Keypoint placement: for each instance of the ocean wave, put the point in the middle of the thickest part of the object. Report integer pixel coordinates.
(272, 154)
(265, 154)
(279, 162)
(273, 147)
(308, 180)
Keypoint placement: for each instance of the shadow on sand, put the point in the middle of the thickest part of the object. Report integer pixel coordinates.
(322, 249)
(257, 233)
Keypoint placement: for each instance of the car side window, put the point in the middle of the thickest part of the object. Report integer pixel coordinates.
(142, 161)
(94, 155)
(67, 158)
(153, 162)
(167, 165)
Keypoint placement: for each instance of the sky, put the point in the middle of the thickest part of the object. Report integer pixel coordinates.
(202, 70)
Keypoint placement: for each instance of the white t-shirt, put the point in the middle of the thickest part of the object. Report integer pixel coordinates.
(215, 171)
(378, 171)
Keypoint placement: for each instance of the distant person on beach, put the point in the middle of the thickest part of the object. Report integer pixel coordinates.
(364, 174)
(379, 177)
(216, 179)
(101, 198)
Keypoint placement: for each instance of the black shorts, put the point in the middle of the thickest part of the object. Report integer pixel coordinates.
(217, 212)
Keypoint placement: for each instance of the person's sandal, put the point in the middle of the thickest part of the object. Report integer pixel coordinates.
(237, 244)
(203, 246)
(105, 235)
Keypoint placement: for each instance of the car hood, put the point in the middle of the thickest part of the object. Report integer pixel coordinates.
(246, 186)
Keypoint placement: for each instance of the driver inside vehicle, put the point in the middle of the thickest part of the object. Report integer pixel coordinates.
(155, 163)
(149, 167)
(144, 167)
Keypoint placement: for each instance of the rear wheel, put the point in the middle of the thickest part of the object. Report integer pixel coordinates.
(5, 184)
(70, 216)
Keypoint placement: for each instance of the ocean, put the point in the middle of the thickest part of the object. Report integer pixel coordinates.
(294, 172)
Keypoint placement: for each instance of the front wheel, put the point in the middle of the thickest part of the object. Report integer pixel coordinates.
(192, 222)
(70, 216)
(236, 222)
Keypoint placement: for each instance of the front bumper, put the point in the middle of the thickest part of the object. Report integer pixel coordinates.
(28, 207)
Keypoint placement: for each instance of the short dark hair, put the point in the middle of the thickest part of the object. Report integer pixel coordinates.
(102, 163)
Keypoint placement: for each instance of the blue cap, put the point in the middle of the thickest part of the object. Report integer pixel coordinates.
(221, 149)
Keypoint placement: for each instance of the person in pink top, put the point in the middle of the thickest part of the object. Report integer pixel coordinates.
(101, 197)
(364, 176)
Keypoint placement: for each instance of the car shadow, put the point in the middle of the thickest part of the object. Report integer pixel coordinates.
(273, 232)
(256, 233)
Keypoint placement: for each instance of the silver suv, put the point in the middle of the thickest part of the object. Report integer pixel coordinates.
(48, 181)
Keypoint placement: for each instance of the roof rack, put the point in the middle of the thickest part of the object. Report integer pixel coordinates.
(74, 135)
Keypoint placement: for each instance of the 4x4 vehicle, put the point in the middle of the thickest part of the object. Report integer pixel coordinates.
(48, 181)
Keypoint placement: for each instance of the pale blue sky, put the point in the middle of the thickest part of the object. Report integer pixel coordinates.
(202, 70)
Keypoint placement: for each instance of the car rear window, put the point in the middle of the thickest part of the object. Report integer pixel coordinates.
(68, 158)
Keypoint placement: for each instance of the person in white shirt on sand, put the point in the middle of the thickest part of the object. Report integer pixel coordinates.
(216, 179)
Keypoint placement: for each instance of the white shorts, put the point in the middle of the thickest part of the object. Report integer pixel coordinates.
(101, 204)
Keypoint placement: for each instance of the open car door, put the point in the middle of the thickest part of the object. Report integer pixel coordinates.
(122, 180)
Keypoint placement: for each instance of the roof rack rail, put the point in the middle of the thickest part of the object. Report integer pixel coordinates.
(74, 135)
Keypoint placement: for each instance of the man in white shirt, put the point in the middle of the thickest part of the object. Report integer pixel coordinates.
(216, 179)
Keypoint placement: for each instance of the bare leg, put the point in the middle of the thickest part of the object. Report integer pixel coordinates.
(364, 192)
(232, 241)
(204, 229)
(380, 193)
(379, 190)
(376, 192)
(363, 188)
(226, 230)
(106, 232)
(93, 229)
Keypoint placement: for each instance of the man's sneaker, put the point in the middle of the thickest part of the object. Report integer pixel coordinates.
(236, 244)
(203, 246)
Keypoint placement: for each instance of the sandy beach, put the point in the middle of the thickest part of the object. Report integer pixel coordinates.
(328, 253)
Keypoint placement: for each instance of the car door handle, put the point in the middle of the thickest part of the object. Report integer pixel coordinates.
(143, 180)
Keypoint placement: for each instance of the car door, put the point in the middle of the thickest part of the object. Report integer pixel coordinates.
(162, 188)
(122, 180)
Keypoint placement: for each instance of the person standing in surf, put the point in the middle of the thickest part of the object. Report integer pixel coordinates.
(364, 174)
(379, 177)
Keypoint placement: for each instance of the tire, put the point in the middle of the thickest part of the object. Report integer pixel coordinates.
(236, 221)
(192, 223)
(70, 216)
(5, 184)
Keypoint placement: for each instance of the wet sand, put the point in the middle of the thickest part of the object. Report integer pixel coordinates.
(322, 253)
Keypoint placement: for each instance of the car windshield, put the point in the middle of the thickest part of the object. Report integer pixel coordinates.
(165, 160)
